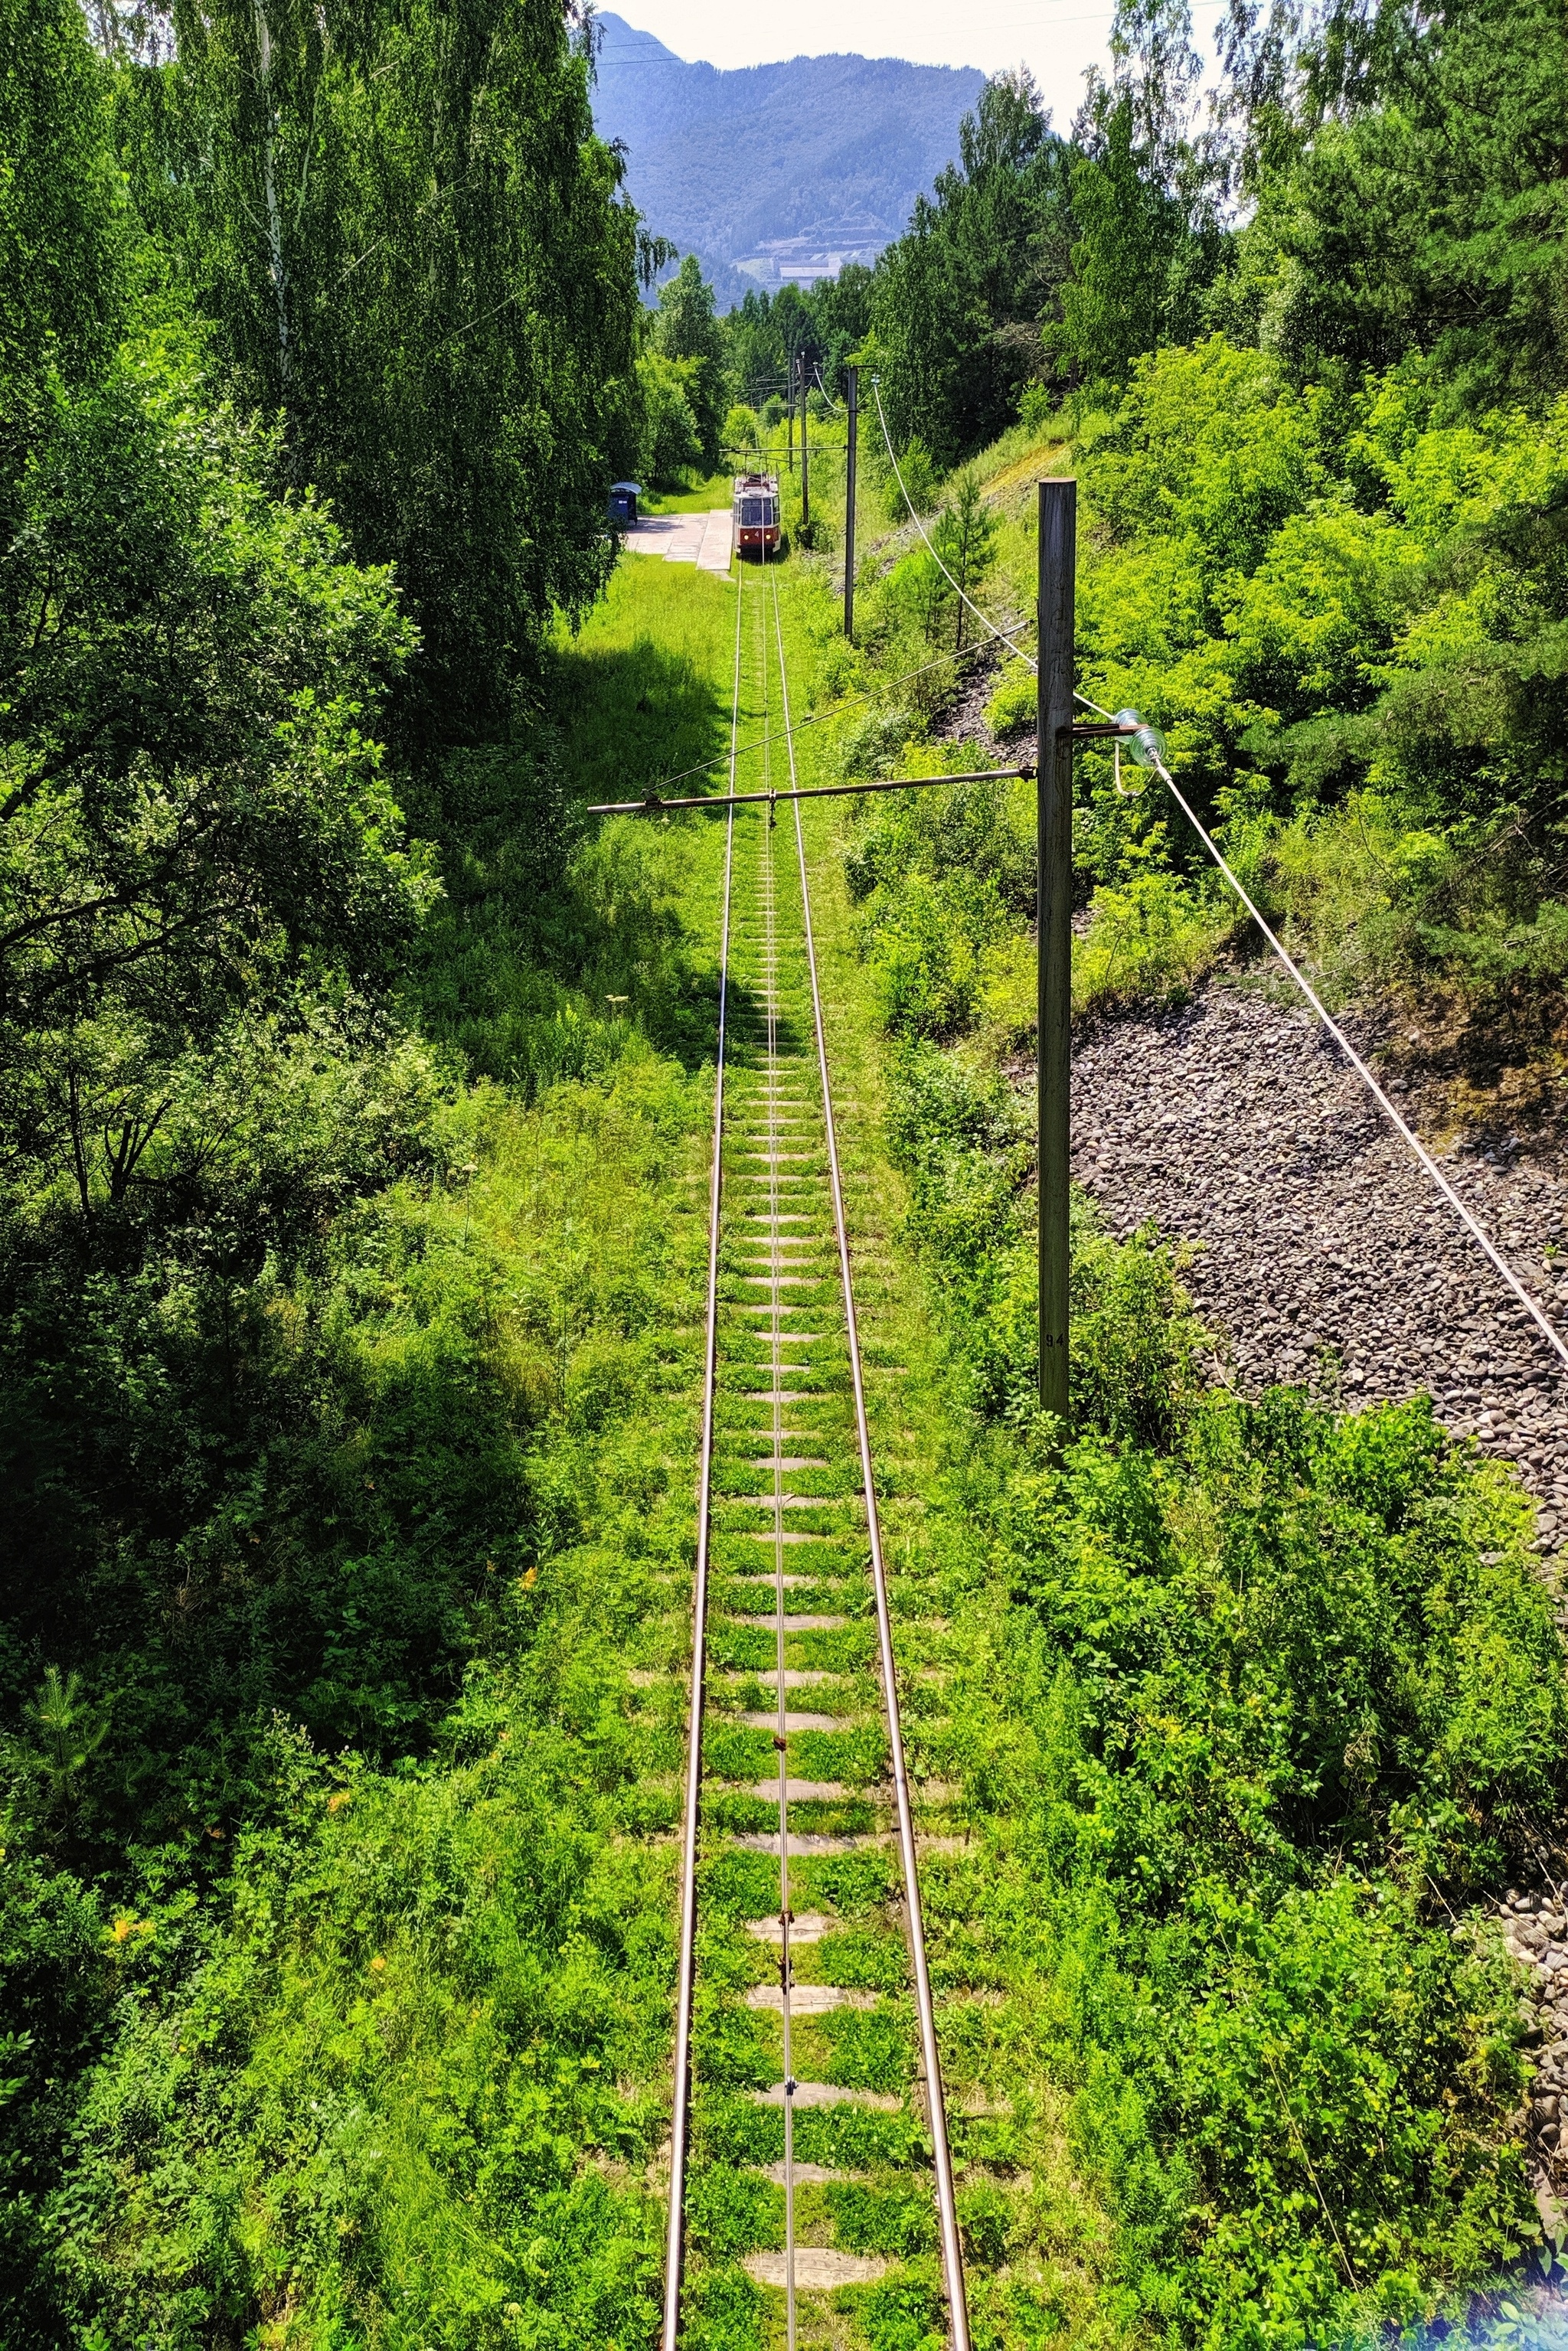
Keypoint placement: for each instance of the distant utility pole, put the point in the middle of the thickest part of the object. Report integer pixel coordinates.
(805, 458)
(853, 426)
(1054, 928)
(789, 415)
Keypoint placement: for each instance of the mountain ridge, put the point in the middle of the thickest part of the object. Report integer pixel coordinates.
(848, 143)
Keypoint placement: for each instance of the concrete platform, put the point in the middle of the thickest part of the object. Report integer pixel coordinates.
(705, 539)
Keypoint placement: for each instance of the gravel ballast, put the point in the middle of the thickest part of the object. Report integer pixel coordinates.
(1324, 1250)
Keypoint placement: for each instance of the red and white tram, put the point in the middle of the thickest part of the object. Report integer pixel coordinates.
(756, 514)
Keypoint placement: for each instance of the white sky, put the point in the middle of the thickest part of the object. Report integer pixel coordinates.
(1058, 38)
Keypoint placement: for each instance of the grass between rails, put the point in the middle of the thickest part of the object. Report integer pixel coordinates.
(1035, 2230)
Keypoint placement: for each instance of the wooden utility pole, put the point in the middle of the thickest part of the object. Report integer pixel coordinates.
(805, 460)
(850, 447)
(1057, 582)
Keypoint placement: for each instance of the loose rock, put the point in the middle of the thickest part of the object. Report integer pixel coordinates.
(1324, 1251)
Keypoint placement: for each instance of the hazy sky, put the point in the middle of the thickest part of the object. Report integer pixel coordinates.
(1056, 38)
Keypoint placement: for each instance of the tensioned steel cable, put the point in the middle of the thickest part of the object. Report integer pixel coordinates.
(687, 1973)
(1476, 1230)
(942, 2158)
(991, 629)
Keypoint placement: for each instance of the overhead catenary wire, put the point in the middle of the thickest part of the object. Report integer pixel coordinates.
(985, 618)
(815, 718)
(656, 805)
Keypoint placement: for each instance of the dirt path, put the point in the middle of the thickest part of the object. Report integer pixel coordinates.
(1235, 1123)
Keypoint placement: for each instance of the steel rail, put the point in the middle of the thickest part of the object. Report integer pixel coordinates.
(946, 2202)
(686, 1978)
(654, 806)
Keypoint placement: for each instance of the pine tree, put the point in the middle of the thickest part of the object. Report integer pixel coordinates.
(966, 539)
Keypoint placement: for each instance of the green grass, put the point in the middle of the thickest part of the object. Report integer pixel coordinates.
(1170, 1915)
(391, 2067)
(696, 497)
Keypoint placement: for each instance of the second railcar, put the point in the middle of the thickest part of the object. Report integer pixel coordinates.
(756, 514)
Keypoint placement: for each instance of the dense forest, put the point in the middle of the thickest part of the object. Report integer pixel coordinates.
(352, 1102)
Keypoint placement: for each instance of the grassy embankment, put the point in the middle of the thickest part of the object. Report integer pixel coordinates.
(1342, 616)
(357, 2033)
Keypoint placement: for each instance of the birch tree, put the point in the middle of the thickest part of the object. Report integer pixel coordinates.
(414, 247)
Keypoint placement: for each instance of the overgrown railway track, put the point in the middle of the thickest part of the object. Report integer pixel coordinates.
(796, 1775)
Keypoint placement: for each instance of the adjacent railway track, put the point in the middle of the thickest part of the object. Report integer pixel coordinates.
(802, 1953)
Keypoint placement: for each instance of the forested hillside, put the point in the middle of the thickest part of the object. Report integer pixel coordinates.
(1303, 342)
(834, 150)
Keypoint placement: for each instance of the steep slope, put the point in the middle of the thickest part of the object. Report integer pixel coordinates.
(817, 156)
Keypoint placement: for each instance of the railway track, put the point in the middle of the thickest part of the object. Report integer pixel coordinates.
(811, 2138)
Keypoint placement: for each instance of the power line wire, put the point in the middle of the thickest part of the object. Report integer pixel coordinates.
(817, 717)
(983, 618)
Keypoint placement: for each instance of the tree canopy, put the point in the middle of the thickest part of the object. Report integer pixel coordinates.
(410, 245)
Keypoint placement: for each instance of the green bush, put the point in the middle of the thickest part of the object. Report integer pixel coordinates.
(920, 480)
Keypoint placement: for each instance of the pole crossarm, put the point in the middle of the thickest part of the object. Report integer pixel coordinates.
(654, 806)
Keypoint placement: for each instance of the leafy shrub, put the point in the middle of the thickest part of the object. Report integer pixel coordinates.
(920, 479)
(56, 1993)
(930, 938)
(670, 439)
(1014, 707)
(1150, 937)
(388, 2064)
